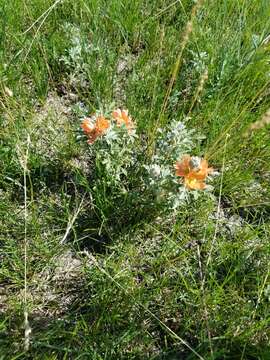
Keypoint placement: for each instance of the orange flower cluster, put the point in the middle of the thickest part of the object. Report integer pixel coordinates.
(96, 127)
(93, 130)
(194, 170)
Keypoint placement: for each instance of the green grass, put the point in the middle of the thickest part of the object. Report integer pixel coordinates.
(195, 284)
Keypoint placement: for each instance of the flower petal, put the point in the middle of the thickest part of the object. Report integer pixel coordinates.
(87, 125)
(182, 168)
(194, 184)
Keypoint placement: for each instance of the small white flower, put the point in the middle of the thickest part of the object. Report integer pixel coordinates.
(156, 170)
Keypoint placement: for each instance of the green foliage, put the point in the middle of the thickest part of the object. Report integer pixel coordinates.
(119, 266)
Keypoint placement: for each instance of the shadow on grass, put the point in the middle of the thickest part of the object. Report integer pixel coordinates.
(87, 333)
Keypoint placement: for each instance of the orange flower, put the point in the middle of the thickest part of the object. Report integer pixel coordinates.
(122, 118)
(102, 124)
(93, 130)
(194, 170)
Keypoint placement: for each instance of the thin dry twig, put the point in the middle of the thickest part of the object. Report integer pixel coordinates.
(43, 18)
(44, 14)
(27, 328)
(72, 221)
(185, 39)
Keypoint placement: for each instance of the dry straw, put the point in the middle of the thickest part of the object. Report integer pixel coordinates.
(260, 124)
(23, 159)
(199, 90)
(185, 39)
